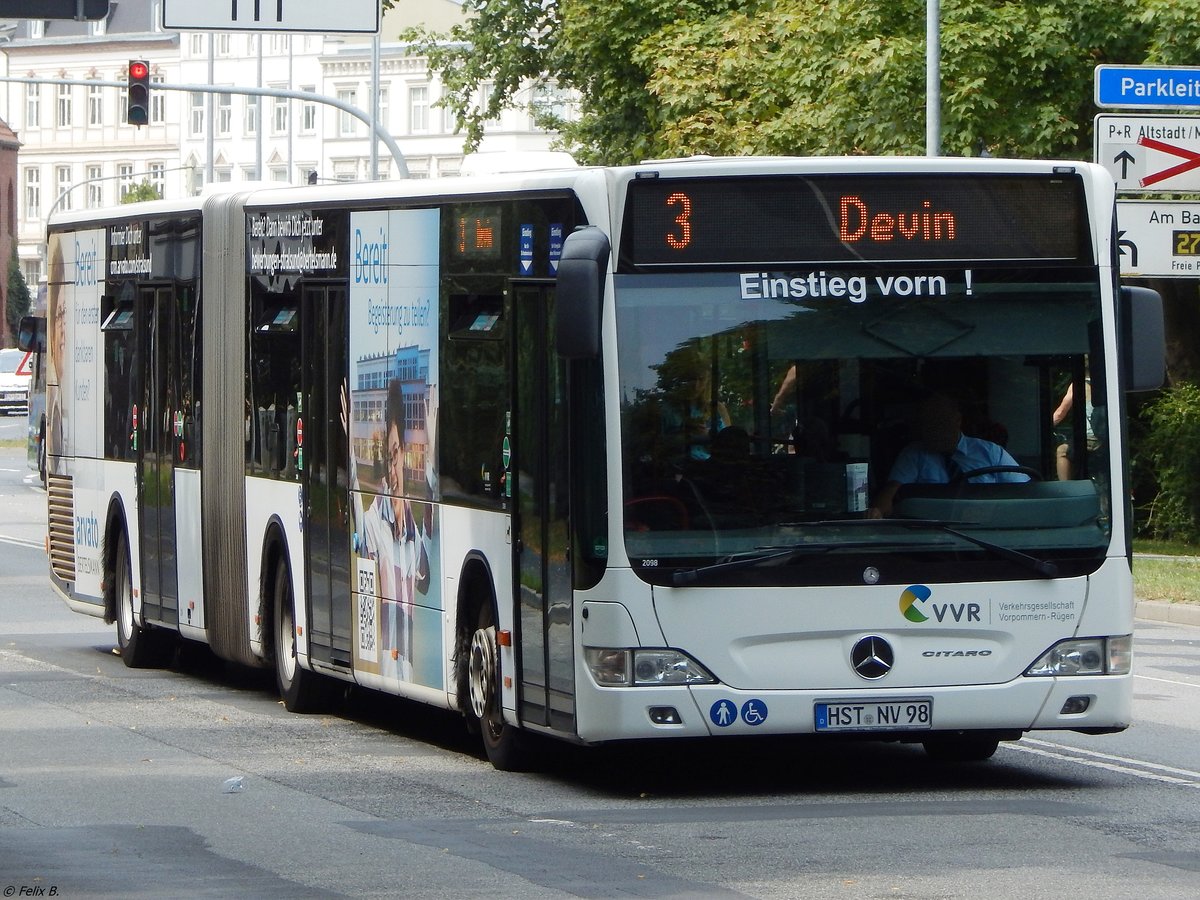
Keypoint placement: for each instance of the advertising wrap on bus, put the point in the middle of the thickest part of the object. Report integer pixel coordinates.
(693, 448)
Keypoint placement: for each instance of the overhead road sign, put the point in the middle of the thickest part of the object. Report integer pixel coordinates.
(1148, 86)
(345, 16)
(1150, 153)
(91, 10)
(1159, 238)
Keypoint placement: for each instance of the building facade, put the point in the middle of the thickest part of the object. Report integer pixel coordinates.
(78, 152)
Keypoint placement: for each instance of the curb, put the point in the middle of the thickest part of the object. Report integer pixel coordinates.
(1174, 613)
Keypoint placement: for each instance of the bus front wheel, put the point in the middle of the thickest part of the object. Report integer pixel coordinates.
(505, 745)
(301, 690)
(961, 748)
(140, 647)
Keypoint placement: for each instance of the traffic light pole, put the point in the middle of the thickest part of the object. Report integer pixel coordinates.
(380, 133)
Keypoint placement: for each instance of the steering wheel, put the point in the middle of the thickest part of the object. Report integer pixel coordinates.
(1034, 474)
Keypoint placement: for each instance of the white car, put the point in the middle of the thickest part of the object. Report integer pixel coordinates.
(15, 378)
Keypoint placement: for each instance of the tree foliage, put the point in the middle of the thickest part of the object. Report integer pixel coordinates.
(143, 190)
(1170, 457)
(799, 76)
(17, 300)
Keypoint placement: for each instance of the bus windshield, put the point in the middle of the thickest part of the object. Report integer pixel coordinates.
(764, 413)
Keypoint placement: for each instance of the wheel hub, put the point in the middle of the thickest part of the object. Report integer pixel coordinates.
(481, 670)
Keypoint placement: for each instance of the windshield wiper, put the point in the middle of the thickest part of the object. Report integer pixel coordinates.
(1042, 567)
(773, 554)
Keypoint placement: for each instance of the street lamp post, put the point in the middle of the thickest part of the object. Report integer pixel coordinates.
(933, 79)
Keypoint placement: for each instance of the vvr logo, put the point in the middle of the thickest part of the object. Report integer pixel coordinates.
(913, 605)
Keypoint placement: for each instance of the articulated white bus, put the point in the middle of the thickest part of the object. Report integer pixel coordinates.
(609, 454)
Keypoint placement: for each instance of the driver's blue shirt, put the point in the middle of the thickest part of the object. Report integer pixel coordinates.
(917, 465)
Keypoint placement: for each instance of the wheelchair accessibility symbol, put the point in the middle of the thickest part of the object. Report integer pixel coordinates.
(724, 713)
(754, 712)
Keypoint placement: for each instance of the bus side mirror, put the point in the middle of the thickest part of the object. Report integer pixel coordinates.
(1144, 340)
(31, 334)
(581, 271)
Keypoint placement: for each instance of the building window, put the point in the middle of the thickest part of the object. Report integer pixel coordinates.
(95, 187)
(98, 27)
(62, 187)
(449, 121)
(418, 109)
(383, 113)
(37, 29)
(95, 105)
(280, 44)
(196, 42)
(345, 170)
(279, 115)
(485, 93)
(196, 119)
(279, 173)
(347, 124)
(158, 101)
(156, 174)
(64, 106)
(32, 270)
(224, 114)
(224, 43)
(308, 112)
(33, 106)
(251, 124)
(124, 179)
(550, 101)
(33, 193)
(223, 174)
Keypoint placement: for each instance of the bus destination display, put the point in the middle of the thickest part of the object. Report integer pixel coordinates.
(830, 219)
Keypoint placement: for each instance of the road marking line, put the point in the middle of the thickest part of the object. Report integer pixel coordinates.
(1191, 684)
(1124, 765)
(33, 545)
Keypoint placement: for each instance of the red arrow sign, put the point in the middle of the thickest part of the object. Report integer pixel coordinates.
(1191, 156)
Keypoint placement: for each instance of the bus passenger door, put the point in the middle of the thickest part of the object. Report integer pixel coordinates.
(322, 459)
(155, 459)
(542, 564)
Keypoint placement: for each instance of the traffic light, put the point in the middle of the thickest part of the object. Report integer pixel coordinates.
(138, 111)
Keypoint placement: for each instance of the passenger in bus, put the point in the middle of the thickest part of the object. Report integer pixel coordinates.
(1066, 457)
(396, 534)
(941, 453)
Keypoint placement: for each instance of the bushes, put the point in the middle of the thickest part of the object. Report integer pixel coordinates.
(1167, 461)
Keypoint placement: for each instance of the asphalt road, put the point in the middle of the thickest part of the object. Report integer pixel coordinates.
(115, 783)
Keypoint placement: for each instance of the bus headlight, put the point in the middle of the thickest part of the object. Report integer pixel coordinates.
(620, 667)
(1086, 656)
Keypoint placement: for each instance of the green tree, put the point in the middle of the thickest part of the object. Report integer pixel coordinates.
(792, 76)
(18, 302)
(847, 76)
(143, 190)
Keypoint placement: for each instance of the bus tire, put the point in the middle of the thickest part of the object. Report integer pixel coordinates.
(961, 748)
(41, 453)
(506, 745)
(302, 691)
(141, 647)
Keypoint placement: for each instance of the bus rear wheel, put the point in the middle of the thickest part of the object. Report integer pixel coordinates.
(302, 691)
(506, 745)
(140, 647)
